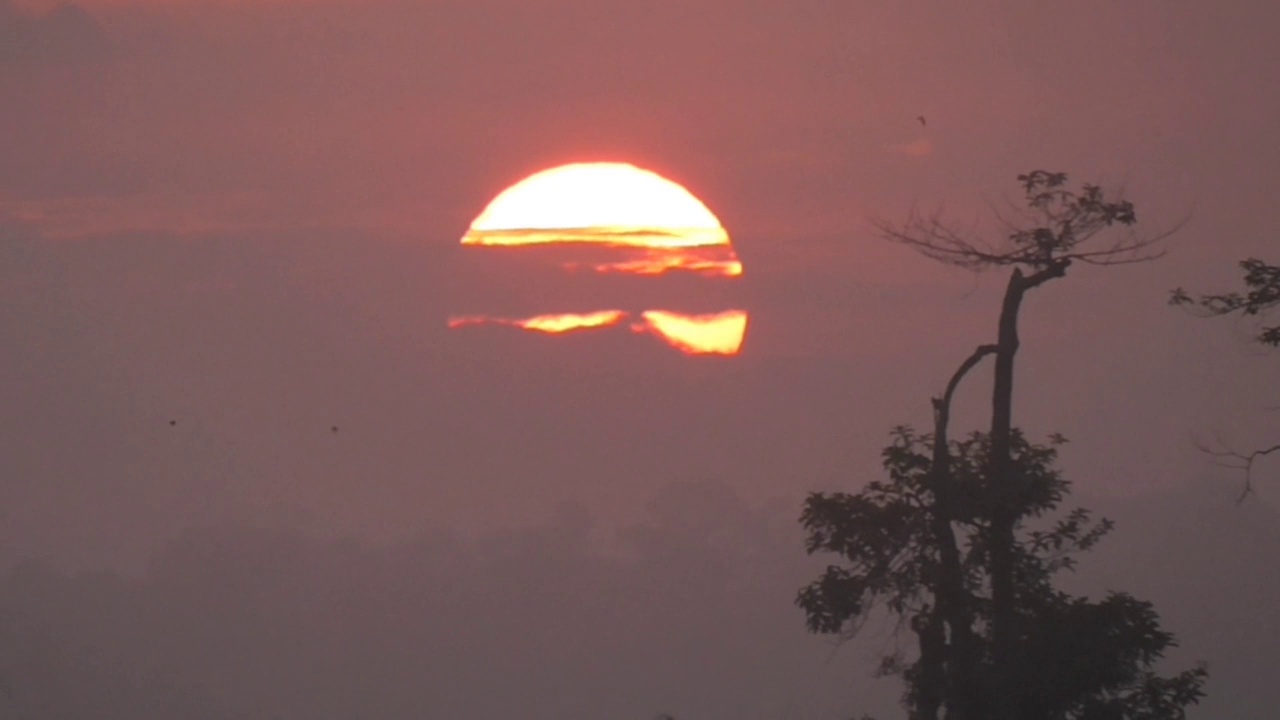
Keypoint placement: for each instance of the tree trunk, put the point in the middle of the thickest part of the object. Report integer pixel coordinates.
(1003, 608)
(931, 669)
(1004, 611)
(962, 657)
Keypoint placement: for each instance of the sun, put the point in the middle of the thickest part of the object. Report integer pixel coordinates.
(716, 334)
(609, 203)
(616, 219)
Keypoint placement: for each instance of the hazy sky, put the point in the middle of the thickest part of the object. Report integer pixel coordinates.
(244, 216)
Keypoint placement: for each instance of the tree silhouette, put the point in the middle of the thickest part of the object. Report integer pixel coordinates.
(978, 669)
(1075, 658)
(1261, 296)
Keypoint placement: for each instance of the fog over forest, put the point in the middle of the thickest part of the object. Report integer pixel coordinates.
(554, 621)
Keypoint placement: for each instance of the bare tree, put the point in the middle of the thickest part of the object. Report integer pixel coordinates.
(1058, 228)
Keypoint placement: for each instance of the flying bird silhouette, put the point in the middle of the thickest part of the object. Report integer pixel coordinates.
(921, 119)
(172, 423)
(333, 429)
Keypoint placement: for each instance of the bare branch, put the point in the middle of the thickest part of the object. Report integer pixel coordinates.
(1225, 457)
(1058, 226)
(943, 405)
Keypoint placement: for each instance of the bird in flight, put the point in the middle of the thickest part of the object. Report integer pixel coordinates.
(173, 423)
(921, 119)
(333, 429)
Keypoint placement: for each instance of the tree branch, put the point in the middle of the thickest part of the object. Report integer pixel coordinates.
(943, 405)
(1225, 457)
(1057, 227)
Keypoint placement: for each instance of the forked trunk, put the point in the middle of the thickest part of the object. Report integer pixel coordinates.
(961, 662)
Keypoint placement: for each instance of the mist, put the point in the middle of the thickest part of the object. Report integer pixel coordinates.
(247, 470)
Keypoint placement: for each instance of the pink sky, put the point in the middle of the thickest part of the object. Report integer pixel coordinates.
(245, 215)
(324, 139)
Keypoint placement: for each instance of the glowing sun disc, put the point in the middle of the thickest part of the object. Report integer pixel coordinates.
(605, 202)
(715, 334)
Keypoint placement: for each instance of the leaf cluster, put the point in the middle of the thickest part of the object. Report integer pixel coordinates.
(1079, 658)
(1262, 285)
(1093, 660)
(883, 532)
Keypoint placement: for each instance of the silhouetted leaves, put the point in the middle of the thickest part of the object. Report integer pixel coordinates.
(1262, 284)
(1077, 658)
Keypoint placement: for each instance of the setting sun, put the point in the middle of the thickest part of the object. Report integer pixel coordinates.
(609, 219)
(716, 334)
(713, 334)
(648, 224)
(611, 203)
(554, 324)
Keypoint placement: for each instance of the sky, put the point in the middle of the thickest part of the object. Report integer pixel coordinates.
(244, 218)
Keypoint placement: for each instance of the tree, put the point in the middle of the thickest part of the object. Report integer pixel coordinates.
(1059, 227)
(1261, 296)
(980, 656)
(1076, 658)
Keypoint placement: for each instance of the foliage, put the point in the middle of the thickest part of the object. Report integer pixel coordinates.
(1078, 658)
(1262, 284)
